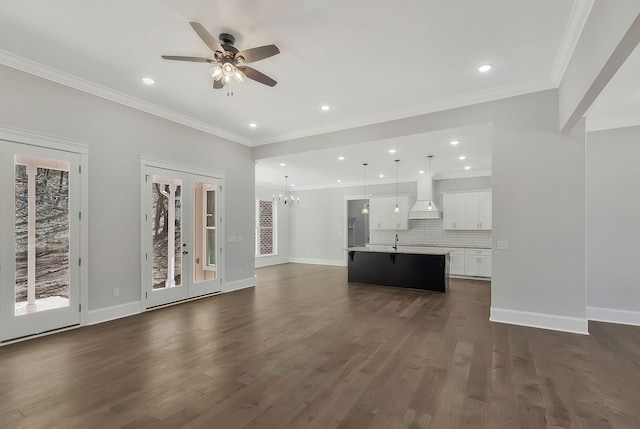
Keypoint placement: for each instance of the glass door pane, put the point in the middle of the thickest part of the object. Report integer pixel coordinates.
(166, 224)
(205, 268)
(41, 234)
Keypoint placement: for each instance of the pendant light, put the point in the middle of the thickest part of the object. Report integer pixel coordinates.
(396, 209)
(365, 207)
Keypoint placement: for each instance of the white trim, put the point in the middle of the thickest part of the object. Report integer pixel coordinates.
(553, 322)
(67, 79)
(601, 124)
(312, 261)
(239, 284)
(114, 312)
(33, 139)
(612, 315)
(577, 20)
(151, 161)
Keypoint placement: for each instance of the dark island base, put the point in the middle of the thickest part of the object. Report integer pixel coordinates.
(415, 271)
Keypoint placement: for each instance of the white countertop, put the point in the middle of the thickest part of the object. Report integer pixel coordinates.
(407, 250)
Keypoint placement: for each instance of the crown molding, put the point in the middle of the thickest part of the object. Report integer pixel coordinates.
(464, 100)
(577, 20)
(28, 137)
(32, 67)
(611, 122)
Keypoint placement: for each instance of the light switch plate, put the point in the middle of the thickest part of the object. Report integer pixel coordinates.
(503, 245)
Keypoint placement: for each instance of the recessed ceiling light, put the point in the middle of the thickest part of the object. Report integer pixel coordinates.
(454, 142)
(467, 167)
(253, 125)
(484, 68)
(148, 80)
(421, 172)
(381, 175)
(462, 157)
(339, 181)
(282, 164)
(392, 151)
(341, 158)
(292, 185)
(325, 107)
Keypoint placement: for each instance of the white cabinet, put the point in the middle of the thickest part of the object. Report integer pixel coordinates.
(456, 262)
(382, 215)
(454, 211)
(478, 210)
(477, 262)
(467, 210)
(379, 212)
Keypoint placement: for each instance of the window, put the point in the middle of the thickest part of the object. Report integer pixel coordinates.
(265, 228)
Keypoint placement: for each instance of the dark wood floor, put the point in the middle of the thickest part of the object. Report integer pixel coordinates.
(306, 350)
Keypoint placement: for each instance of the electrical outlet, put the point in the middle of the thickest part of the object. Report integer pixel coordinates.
(116, 292)
(502, 245)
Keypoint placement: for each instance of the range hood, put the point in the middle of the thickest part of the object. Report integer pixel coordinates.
(425, 207)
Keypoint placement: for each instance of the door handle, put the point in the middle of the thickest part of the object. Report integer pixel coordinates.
(184, 252)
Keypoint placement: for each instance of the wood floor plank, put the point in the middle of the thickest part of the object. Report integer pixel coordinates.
(305, 349)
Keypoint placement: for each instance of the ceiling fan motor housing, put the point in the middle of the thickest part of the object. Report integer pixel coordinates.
(227, 41)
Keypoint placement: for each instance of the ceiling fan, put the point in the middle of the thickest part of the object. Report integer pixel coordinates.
(228, 62)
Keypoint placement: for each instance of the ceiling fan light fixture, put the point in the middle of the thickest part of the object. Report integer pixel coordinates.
(238, 75)
(216, 72)
(228, 69)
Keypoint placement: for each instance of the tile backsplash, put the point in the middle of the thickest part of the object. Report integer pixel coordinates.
(429, 231)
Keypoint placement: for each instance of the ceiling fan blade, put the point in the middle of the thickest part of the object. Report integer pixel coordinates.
(206, 37)
(191, 59)
(257, 76)
(257, 54)
(218, 84)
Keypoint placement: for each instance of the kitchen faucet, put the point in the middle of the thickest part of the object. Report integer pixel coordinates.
(395, 243)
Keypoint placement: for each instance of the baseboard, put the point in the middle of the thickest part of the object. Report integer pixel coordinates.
(333, 262)
(111, 313)
(239, 284)
(611, 315)
(271, 263)
(553, 322)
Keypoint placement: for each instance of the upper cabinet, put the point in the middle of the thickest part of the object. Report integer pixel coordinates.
(467, 210)
(381, 215)
(478, 210)
(454, 211)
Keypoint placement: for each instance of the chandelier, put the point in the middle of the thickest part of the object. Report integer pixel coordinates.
(288, 200)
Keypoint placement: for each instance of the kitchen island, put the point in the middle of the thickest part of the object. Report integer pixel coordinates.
(425, 268)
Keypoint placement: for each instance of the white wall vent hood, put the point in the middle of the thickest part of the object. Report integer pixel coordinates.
(425, 207)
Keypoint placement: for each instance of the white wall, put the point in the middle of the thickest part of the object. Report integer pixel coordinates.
(613, 225)
(318, 225)
(282, 229)
(117, 135)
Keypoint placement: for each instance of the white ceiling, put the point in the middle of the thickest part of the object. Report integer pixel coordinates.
(370, 60)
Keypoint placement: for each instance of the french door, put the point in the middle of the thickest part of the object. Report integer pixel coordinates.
(182, 230)
(39, 239)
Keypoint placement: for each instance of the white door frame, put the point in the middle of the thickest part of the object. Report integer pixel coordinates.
(82, 150)
(345, 220)
(178, 167)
